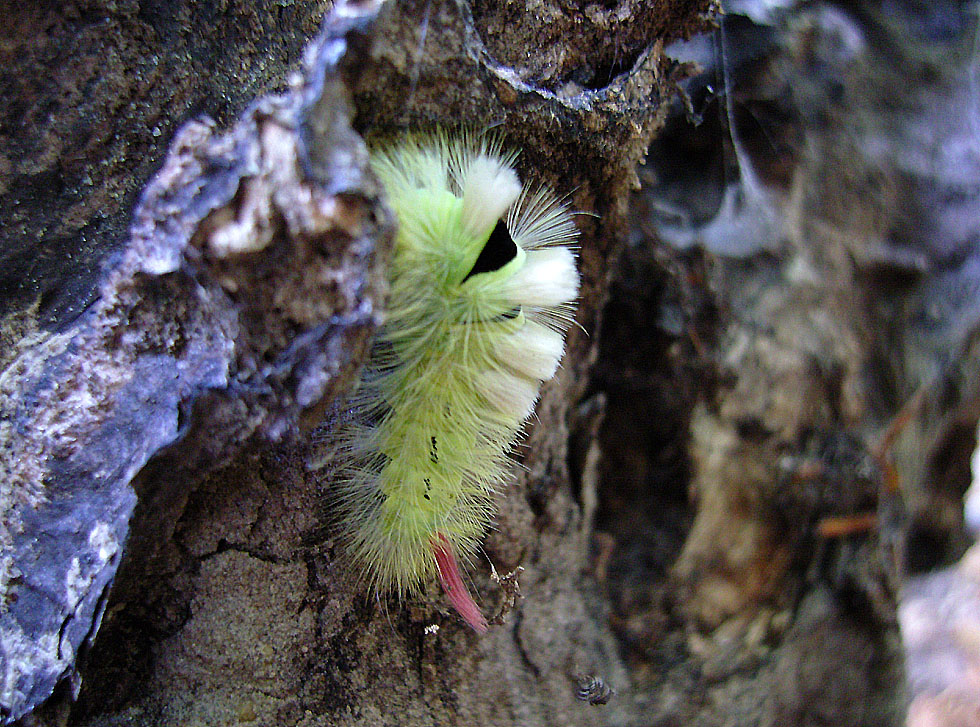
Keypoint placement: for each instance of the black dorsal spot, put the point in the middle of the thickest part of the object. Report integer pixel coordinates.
(499, 250)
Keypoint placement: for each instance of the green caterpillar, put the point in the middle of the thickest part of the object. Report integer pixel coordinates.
(482, 289)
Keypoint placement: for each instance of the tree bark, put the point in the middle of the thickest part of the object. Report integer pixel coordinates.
(706, 514)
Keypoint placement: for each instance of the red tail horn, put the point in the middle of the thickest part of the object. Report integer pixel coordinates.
(452, 584)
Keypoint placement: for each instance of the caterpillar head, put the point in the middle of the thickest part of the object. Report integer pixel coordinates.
(495, 247)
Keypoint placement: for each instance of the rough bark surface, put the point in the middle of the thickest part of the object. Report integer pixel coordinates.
(239, 304)
(93, 93)
(685, 511)
(244, 296)
(812, 442)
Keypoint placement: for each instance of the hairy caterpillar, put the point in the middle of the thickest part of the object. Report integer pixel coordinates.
(481, 293)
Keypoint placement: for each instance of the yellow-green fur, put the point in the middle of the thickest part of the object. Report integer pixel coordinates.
(457, 365)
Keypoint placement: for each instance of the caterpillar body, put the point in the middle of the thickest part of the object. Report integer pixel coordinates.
(481, 292)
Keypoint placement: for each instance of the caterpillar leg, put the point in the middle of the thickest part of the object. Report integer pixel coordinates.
(452, 584)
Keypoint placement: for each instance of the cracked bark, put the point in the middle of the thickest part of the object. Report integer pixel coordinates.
(237, 306)
(692, 423)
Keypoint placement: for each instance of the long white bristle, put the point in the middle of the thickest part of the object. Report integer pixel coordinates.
(489, 187)
(533, 351)
(511, 396)
(537, 219)
(548, 278)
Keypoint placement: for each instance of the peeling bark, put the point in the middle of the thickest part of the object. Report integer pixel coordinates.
(245, 296)
(728, 396)
(246, 293)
